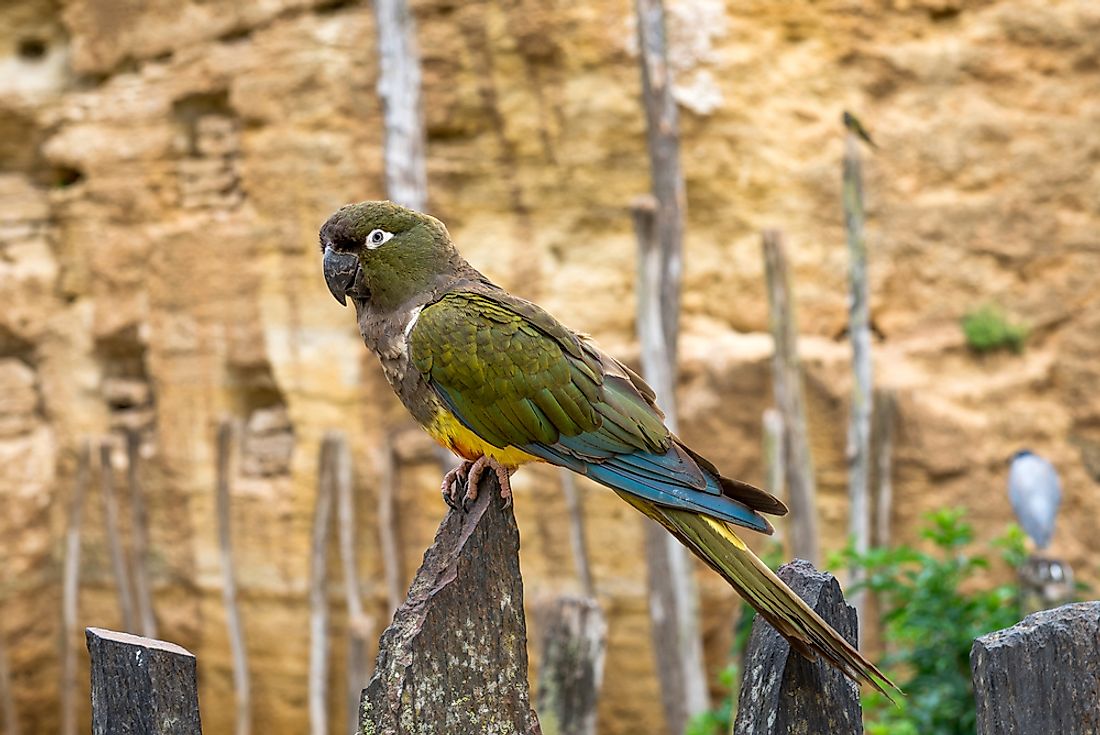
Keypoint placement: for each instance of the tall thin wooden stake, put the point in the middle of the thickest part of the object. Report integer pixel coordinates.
(775, 477)
(663, 139)
(859, 330)
(387, 525)
(241, 681)
(882, 431)
(673, 598)
(140, 534)
(318, 599)
(574, 645)
(70, 590)
(787, 375)
(399, 88)
(114, 537)
(576, 532)
(360, 627)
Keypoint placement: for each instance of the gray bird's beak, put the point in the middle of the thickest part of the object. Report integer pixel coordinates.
(341, 270)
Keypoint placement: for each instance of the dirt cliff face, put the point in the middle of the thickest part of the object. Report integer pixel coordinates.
(165, 166)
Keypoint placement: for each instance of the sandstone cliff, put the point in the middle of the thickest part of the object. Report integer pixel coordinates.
(164, 167)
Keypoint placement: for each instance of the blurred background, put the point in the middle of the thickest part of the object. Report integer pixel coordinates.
(165, 167)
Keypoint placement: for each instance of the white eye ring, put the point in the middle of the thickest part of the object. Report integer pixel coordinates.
(378, 238)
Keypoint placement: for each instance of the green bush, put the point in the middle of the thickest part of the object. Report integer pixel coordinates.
(988, 330)
(932, 611)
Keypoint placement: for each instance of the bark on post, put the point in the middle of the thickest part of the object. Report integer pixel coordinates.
(781, 691)
(70, 590)
(141, 686)
(1042, 675)
(673, 599)
(242, 688)
(574, 642)
(787, 375)
(140, 533)
(114, 537)
(399, 88)
(859, 331)
(454, 660)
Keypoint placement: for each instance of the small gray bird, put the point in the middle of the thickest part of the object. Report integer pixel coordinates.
(1035, 493)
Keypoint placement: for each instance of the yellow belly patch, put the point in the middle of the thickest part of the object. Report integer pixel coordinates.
(446, 429)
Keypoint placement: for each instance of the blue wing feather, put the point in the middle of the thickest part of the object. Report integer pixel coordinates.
(638, 474)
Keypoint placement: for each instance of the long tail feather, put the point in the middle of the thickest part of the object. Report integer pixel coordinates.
(717, 545)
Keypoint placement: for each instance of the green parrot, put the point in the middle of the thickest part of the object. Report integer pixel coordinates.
(501, 383)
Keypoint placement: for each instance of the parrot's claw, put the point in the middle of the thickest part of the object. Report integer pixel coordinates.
(452, 481)
(473, 476)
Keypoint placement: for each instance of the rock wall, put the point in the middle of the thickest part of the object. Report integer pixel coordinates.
(164, 167)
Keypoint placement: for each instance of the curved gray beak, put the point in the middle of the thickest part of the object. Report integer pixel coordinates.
(340, 272)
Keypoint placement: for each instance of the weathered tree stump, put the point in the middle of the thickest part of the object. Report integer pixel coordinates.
(454, 660)
(1042, 675)
(574, 642)
(783, 693)
(141, 686)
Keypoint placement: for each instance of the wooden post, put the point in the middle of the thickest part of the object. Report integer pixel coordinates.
(7, 696)
(460, 632)
(318, 597)
(114, 537)
(787, 373)
(1044, 583)
(399, 88)
(574, 642)
(1042, 675)
(387, 524)
(70, 590)
(241, 682)
(775, 476)
(859, 331)
(576, 532)
(882, 433)
(663, 139)
(781, 691)
(360, 626)
(140, 533)
(673, 599)
(141, 686)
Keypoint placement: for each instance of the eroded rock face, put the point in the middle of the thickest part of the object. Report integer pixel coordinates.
(164, 168)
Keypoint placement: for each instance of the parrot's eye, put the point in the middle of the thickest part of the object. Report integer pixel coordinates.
(377, 238)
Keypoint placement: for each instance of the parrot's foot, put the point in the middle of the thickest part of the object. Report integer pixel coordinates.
(452, 481)
(469, 473)
(477, 469)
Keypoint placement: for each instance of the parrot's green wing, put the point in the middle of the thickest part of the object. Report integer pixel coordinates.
(516, 377)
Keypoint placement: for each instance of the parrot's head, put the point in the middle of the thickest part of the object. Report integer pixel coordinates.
(385, 255)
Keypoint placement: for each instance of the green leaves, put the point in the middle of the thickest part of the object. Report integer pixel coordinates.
(933, 606)
(988, 329)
